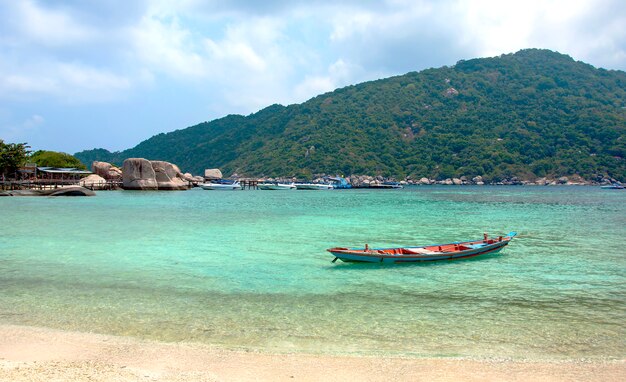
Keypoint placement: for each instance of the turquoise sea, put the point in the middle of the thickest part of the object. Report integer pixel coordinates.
(248, 270)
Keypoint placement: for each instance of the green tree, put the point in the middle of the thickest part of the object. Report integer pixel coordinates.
(12, 156)
(55, 159)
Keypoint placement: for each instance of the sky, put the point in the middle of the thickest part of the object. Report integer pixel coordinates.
(77, 75)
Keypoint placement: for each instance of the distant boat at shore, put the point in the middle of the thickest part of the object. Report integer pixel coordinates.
(433, 252)
(338, 182)
(314, 186)
(386, 185)
(614, 186)
(221, 185)
(276, 186)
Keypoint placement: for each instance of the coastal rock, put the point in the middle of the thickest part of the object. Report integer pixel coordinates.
(563, 180)
(138, 174)
(168, 176)
(93, 181)
(69, 191)
(213, 173)
(457, 181)
(61, 191)
(448, 182)
(107, 171)
(478, 179)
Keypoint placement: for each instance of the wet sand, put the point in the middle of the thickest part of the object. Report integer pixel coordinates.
(39, 354)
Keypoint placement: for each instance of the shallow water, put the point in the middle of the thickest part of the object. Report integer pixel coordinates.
(249, 270)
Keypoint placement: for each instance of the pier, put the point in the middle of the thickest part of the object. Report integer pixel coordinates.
(250, 184)
(49, 184)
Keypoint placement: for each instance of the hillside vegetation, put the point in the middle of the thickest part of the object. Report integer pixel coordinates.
(55, 159)
(535, 113)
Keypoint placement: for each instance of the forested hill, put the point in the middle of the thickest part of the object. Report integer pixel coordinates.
(531, 114)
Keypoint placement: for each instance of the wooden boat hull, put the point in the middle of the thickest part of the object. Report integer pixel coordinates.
(434, 252)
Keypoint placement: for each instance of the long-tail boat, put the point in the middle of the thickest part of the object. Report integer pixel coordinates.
(433, 252)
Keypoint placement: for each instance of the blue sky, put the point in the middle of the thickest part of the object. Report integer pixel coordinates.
(77, 75)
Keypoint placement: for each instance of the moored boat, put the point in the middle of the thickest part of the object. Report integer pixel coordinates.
(386, 185)
(314, 186)
(433, 252)
(221, 185)
(338, 182)
(276, 186)
(614, 186)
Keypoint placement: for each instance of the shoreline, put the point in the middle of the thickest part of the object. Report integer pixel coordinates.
(34, 353)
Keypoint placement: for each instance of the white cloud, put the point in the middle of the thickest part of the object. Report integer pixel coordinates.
(166, 46)
(65, 82)
(48, 27)
(338, 74)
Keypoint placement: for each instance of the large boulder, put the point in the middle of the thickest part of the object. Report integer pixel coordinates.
(93, 181)
(142, 174)
(138, 174)
(213, 173)
(61, 191)
(69, 191)
(168, 176)
(106, 171)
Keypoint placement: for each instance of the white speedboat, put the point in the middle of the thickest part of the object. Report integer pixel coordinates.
(314, 186)
(614, 186)
(276, 186)
(221, 185)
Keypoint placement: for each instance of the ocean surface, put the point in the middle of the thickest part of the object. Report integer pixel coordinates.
(249, 270)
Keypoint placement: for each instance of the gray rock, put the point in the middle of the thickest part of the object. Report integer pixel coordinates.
(61, 191)
(213, 173)
(106, 170)
(168, 176)
(138, 174)
(69, 191)
(93, 181)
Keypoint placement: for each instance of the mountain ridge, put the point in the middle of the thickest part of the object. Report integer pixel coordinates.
(534, 113)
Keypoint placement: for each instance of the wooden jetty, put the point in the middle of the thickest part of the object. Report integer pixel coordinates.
(49, 184)
(250, 184)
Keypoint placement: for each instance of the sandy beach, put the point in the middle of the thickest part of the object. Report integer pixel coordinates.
(39, 354)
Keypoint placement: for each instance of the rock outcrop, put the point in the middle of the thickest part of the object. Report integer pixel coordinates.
(142, 174)
(107, 171)
(93, 181)
(138, 174)
(61, 191)
(213, 173)
(168, 176)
